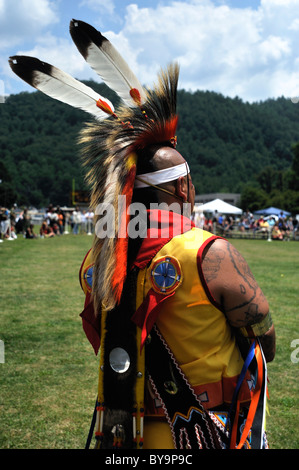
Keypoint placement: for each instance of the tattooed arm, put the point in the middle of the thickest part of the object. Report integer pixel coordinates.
(233, 286)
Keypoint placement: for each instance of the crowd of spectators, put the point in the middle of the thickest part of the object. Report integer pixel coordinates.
(54, 221)
(57, 221)
(7, 224)
(275, 227)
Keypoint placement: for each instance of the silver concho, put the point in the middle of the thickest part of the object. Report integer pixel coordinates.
(119, 360)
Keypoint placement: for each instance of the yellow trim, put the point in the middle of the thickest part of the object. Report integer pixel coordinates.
(140, 381)
(101, 363)
(87, 263)
(100, 409)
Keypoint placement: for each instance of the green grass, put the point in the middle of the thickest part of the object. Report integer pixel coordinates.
(276, 268)
(48, 383)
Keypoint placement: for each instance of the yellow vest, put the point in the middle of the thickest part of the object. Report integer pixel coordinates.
(194, 327)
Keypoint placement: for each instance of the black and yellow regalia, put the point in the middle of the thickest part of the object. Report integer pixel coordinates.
(170, 372)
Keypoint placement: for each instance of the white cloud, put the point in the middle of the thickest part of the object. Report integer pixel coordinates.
(61, 53)
(252, 53)
(21, 23)
(294, 25)
(57, 51)
(245, 52)
(24, 19)
(208, 42)
(2, 7)
(274, 48)
(99, 5)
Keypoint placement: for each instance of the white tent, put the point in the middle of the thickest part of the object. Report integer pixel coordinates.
(220, 206)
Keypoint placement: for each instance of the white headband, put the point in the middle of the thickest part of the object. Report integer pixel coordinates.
(162, 176)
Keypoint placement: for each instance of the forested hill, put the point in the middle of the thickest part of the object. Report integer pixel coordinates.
(231, 146)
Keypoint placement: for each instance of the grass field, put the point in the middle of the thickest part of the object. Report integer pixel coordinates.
(48, 380)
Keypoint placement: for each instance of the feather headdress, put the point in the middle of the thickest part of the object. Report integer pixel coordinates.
(110, 144)
(110, 150)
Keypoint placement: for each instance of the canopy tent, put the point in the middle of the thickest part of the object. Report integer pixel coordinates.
(220, 206)
(272, 211)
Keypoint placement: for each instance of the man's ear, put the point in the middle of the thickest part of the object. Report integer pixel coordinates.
(181, 188)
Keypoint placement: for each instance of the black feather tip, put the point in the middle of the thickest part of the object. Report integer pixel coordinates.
(83, 35)
(25, 67)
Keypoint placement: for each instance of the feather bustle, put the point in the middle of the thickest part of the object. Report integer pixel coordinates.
(106, 147)
(148, 117)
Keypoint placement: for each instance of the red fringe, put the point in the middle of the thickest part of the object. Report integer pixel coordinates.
(160, 133)
(121, 248)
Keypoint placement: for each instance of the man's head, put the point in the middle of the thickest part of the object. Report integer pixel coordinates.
(170, 180)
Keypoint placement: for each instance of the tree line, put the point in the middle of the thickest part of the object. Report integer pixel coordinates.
(230, 145)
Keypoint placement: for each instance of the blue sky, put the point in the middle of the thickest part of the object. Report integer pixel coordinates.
(238, 48)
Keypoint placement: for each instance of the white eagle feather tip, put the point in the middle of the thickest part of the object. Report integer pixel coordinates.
(107, 62)
(61, 86)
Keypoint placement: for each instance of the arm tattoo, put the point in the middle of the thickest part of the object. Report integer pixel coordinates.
(248, 287)
(241, 266)
(242, 289)
(252, 314)
(213, 260)
(243, 270)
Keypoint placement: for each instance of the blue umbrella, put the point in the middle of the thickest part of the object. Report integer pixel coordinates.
(272, 211)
